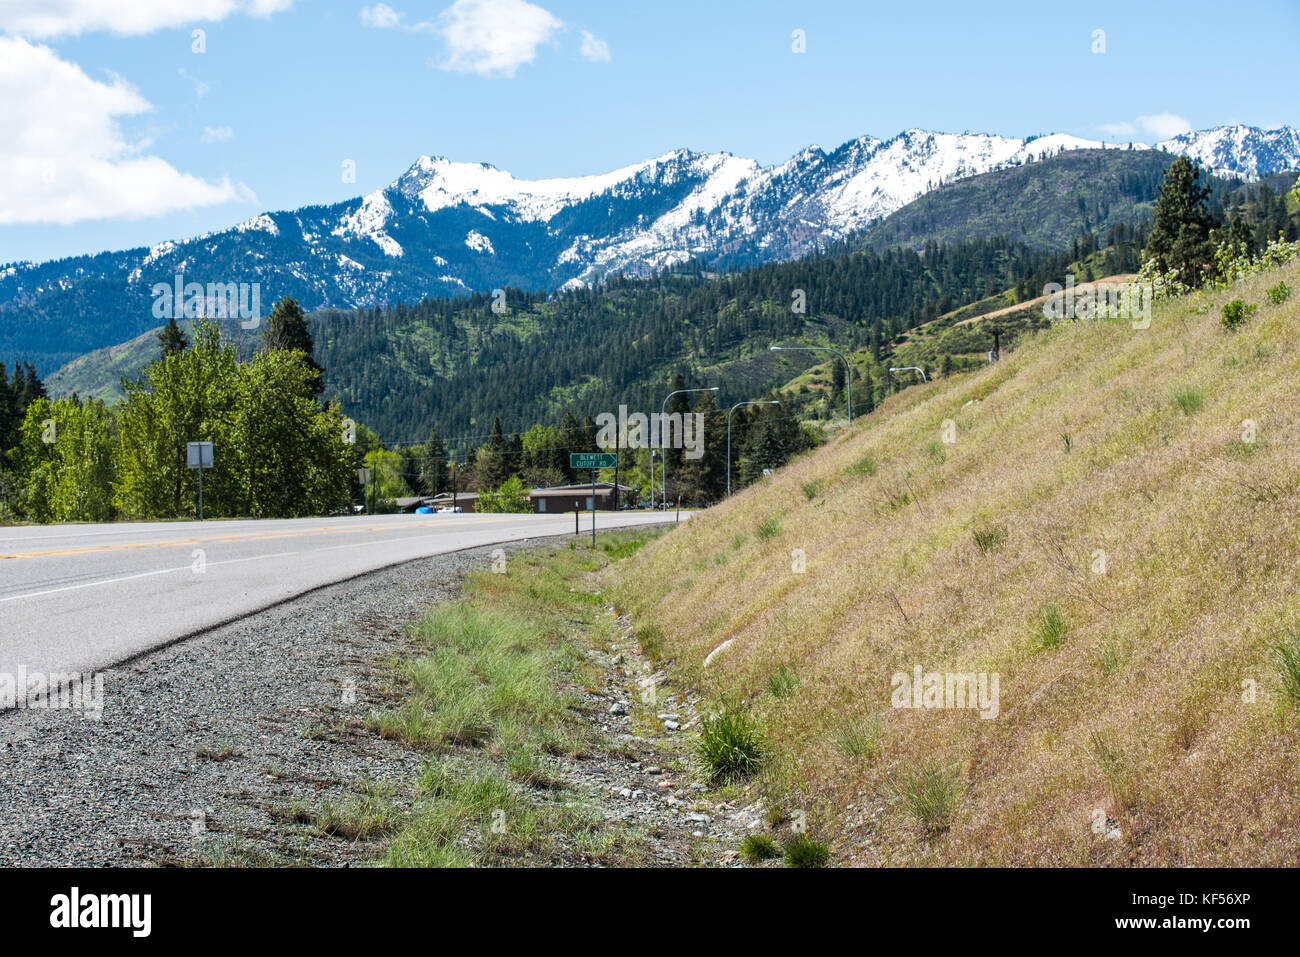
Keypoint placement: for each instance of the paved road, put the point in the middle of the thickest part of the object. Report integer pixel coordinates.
(77, 598)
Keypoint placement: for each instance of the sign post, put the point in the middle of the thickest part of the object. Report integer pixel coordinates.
(594, 461)
(198, 455)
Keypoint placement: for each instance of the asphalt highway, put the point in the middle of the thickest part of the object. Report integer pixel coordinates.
(79, 598)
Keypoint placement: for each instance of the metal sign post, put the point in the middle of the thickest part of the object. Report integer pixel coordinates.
(198, 455)
(594, 461)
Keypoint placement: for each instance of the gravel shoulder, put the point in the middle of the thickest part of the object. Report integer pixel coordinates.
(205, 748)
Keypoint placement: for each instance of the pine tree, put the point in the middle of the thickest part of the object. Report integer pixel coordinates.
(1180, 234)
(171, 339)
(433, 464)
(286, 328)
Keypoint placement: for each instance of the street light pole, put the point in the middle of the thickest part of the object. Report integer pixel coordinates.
(848, 371)
(729, 411)
(663, 427)
(910, 369)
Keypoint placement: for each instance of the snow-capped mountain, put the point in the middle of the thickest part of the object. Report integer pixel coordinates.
(449, 228)
(1244, 151)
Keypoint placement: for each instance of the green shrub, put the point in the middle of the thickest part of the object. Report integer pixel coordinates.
(1235, 313)
(805, 852)
(768, 529)
(810, 490)
(731, 746)
(1279, 294)
(758, 847)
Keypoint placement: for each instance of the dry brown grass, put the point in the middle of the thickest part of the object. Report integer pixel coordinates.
(1136, 718)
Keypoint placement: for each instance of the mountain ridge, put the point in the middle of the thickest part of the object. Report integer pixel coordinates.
(448, 228)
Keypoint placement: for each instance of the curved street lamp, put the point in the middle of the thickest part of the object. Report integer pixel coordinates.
(848, 372)
(729, 411)
(663, 427)
(911, 369)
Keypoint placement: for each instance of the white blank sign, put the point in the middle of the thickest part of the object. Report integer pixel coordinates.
(198, 455)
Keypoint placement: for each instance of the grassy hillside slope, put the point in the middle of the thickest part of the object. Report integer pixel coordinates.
(1124, 732)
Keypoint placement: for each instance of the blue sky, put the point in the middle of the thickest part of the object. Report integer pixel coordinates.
(116, 133)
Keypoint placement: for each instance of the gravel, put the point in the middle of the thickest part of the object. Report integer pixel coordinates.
(207, 742)
(205, 748)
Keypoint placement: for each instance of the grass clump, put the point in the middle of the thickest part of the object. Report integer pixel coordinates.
(769, 528)
(1114, 764)
(866, 465)
(759, 847)
(810, 489)
(783, 682)
(930, 793)
(650, 638)
(805, 852)
(1051, 629)
(989, 537)
(859, 739)
(1189, 398)
(731, 746)
(1286, 654)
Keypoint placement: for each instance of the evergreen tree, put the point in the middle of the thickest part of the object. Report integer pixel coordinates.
(1180, 233)
(433, 465)
(286, 329)
(493, 462)
(171, 339)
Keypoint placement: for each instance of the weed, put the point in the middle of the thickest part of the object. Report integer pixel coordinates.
(859, 739)
(1051, 629)
(769, 528)
(783, 682)
(758, 847)
(1279, 294)
(1189, 398)
(1287, 654)
(989, 537)
(1235, 313)
(931, 794)
(731, 746)
(804, 852)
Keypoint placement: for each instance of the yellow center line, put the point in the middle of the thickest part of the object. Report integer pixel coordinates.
(256, 536)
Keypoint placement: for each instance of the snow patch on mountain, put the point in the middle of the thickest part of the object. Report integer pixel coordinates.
(478, 242)
(367, 221)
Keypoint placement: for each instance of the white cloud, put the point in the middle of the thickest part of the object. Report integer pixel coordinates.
(494, 36)
(594, 48)
(217, 134)
(1162, 126)
(63, 156)
(45, 19)
(381, 17)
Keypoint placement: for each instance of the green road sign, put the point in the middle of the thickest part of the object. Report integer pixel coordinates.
(592, 460)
